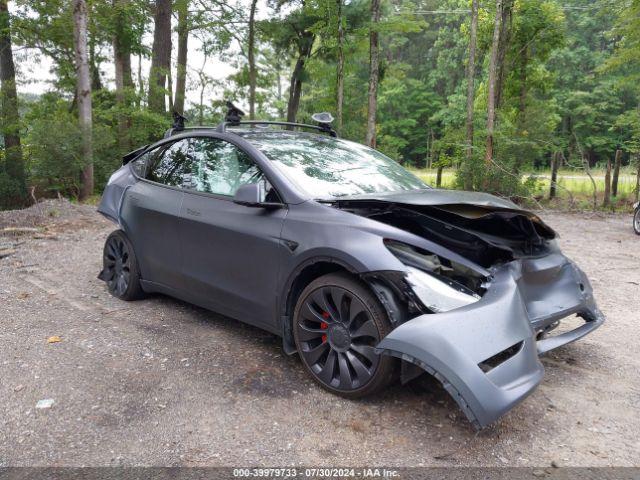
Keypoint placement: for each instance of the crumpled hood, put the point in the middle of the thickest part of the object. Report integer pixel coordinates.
(482, 228)
(437, 197)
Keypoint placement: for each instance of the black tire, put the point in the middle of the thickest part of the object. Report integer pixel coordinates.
(336, 323)
(636, 221)
(120, 267)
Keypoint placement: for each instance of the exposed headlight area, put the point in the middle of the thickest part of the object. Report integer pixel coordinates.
(437, 293)
(440, 284)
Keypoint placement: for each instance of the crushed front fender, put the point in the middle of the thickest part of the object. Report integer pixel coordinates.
(486, 354)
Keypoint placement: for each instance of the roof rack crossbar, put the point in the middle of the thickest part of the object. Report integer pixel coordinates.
(222, 127)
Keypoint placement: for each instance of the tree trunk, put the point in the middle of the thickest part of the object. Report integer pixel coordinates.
(294, 91)
(340, 70)
(471, 70)
(94, 66)
(80, 20)
(522, 102)
(491, 89)
(428, 154)
(201, 107)
(251, 57)
(170, 89)
(439, 176)
(279, 90)
(10, 125)
(295, 87)
(160, 56)
(616, 173)
(555, 163)
(503, 43)
(183, 51)
(140, 82)
(607, 185)
(124, 80)
(374, 73)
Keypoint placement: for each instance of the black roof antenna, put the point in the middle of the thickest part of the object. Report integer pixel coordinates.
(234, 115)
(324, 120)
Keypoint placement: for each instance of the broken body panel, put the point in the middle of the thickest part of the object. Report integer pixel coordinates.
(485, 353)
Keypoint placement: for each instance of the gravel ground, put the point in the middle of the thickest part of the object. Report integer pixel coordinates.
(159, 382)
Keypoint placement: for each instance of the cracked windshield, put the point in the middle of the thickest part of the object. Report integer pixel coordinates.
(327, 167)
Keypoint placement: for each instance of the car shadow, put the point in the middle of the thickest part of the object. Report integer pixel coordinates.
(270, 372)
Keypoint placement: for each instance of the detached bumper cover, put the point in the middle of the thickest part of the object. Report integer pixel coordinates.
(486, 354)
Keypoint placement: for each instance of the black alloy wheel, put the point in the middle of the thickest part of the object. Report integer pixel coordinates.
(338, 323)
(120, 267)
(636, 221)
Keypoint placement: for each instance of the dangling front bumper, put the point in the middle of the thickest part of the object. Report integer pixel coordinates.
(486, 354)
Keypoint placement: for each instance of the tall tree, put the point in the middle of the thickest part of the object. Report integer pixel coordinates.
(122, 63)
(183, 49)
(340, 68)
(626, 61)
(471, 70)
(506, 10)
(491, 88)
(305, 45)
(374, 73)
(80, 24)
(160, 56)
(14, 164)
(251, 57)
(294, 36)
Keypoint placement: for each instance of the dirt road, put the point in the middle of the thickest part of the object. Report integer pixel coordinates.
(159, 382)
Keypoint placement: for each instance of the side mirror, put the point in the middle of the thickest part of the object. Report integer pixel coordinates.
(252, 195)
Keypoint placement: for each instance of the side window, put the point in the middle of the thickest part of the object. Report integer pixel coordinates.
(140, 164)
(172, 165)
(220, 167)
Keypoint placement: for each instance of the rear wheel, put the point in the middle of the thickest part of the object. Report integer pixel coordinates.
(120, 267)
(636, 221)
(337, 324)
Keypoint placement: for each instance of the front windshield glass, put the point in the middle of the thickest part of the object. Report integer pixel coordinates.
(327, 167)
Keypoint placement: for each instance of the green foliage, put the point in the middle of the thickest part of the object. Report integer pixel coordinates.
(406, 104)
(53, 139)
(10, 191)
(571, 82)
(53, 155)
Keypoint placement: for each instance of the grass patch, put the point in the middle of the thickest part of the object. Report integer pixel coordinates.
(571, 183)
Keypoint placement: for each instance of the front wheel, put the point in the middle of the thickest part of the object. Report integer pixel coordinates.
(636, 221)
(120, 267)
(337, 324)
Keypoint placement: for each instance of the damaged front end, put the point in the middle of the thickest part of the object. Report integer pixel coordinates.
(480, 331)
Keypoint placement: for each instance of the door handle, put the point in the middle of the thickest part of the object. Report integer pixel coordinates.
(193, 213)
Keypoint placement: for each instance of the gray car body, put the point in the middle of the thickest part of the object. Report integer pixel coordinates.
(251, 263)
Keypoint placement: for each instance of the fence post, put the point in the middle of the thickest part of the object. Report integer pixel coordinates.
(616, 173)
(554, 175)
(607, 185)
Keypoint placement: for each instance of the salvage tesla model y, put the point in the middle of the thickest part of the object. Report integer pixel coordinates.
(365, 271)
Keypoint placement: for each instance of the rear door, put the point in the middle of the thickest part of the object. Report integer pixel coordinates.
(151, 212)
(231, 252)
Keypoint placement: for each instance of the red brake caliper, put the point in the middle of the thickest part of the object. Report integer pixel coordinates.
(324, 326)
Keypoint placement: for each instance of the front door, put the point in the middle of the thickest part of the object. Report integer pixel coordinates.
(231, 253)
